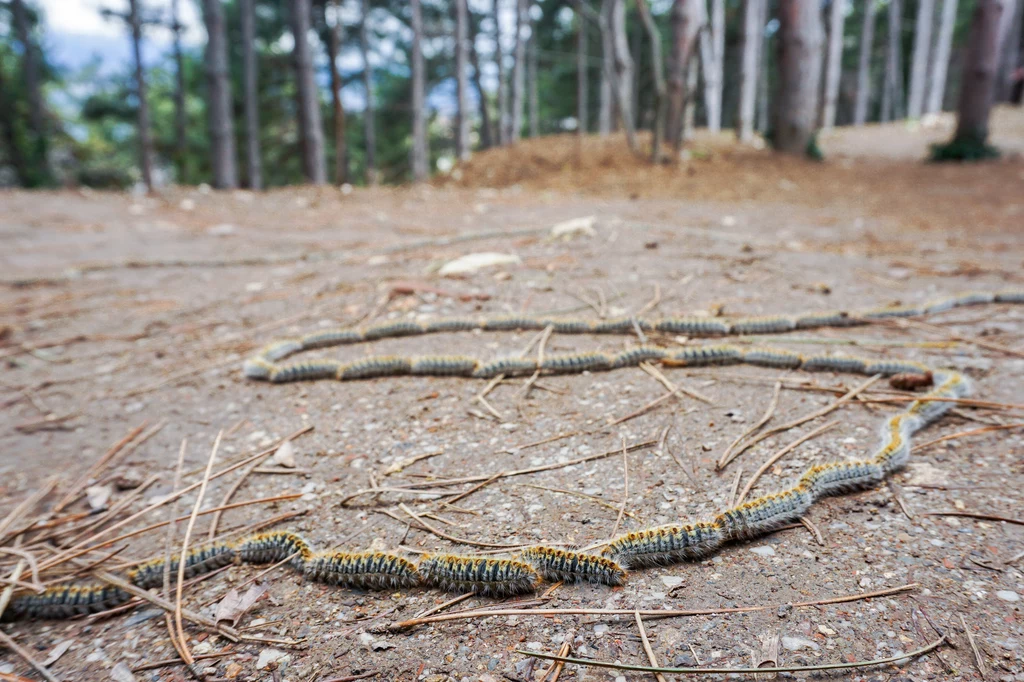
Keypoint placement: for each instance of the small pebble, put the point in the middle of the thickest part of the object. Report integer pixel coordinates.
(765, 550)
(1007, 595)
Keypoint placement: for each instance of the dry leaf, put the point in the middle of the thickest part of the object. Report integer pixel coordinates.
(58, 651)
(232, 606)
(285, 455)
(122, 673)
(98, 496)
(472, 262)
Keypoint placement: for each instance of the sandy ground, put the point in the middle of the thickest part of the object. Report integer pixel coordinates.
(121, 311)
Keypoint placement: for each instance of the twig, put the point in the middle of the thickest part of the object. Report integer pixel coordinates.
(950, 335)
(974, 647)
(234, 489)
(168, 539)
(625, 491)
(5, 596)
(45, 422)
(735, 487)
(353, 678)
(653, 303)
(975, 515)
(441, 607)
(780, 454)
(174, 661)
(9, 642)
(27, 556)
(647, 646)
(973, 432)
(658, 375)
(797, 422)
(409, 461)
(897, 494)
(655, 613)
(814, 530)
(772, 405)
(100, 464)
(26, 504)
(475, 488)
(451, 538)
(189, 660)
(721, 671)
(574, 493)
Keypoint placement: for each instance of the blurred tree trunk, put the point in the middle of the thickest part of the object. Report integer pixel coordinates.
(518, 74)
(531, 77)
(145, 139)
(420, 163)
(582, 72)
(218, 106)
(499, 58)
(461, 80)
(796, 104)
(635, 47)
(14, 153)
(867, 39)
(940, 62)
(834, 63)
(310, 127)
(36, 111)
(920, 58)
(486, 133)
(180, 140)
(749, 68)
(334, 41)
(685, 20)
(604, 116)
(712, 58)
(892, 94)
(623, 70)
(660, 101)
(763, 110)
(250, 74)
(369, 129)
(690, 106)
(979, 78)
(1010, 48)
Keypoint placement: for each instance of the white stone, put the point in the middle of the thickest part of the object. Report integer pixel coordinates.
(765, 550)
(671, 581)
(798, 643)
(268, 656)
(1007, 595)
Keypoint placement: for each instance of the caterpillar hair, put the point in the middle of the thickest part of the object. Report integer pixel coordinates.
(1010, 296)
(973, 298)
(483, 576)
(376, 366)
(573, 363)
(836, 478)
(332, 337)
(199, 560)
(567, 326)
(772, 324)
(258, 368)
(693, 326)
(939, 306)
(305, 371)
(510, 366)
(451, 324)
(665, 544)
(279, 350)
(64, 601)
(269, 548)
(773, 357)
(573, 567)
(895, 442)
(764, 514)
(702, 356)
(510, 323)
(618, 325)
(836, 318)
(392, 329)
(891, 312)
(889, 367)
(631, 357)
(366, 570)
(443, 365)
(834, 363)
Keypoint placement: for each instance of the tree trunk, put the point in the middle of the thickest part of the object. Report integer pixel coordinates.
(180, 140)
(1010, 48)
(685, 26)
(919, 60)
(752, 31)
(218, 106)
(796, 105)
(461, 80)
(834, 64)
(518, 74)
(892, 94)
(604, 121)
(145, 141)
(979, 79)
(499, 58)
(252, 106)
(582, 72)
(763, 109)
(867, 39)
(660, 101)
(420, 163)
(531, 77)
(334, 41)
(14, 152)
(690, 105)
(940, 62)
(486, 133)
(369, 129)
(635, 46)
(623, 70)
(713, 46)
(36, 111)
(310, 127)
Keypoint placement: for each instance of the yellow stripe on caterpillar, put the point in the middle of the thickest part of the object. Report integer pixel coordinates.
(366, 570)
(665, 544)
(480, 575)
(564, 565)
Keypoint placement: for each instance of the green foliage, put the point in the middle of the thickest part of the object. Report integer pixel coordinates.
(971, 147)
(813, 151)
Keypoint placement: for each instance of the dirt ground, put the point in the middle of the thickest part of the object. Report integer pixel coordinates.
(120, 311)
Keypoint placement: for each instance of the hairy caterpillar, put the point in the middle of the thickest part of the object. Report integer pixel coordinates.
(772, 324)
(65, 601)
(483, 576)
(376, 366)
(618, 325)
(451, 324)
(693, 326)
(511, 366)
(835, 363)
(573, 567)
(574, 363)
(835, 478)
(391, 329)
(773, 357)
(764, 514)
(567, 326)
(510, 323)
(443, 365)
(701, 356)
(632, 357)
(199, 560)
(269, 548)
(302, 371)
(367, 570)
(331, 337)
(666, 544)
(835, 318)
